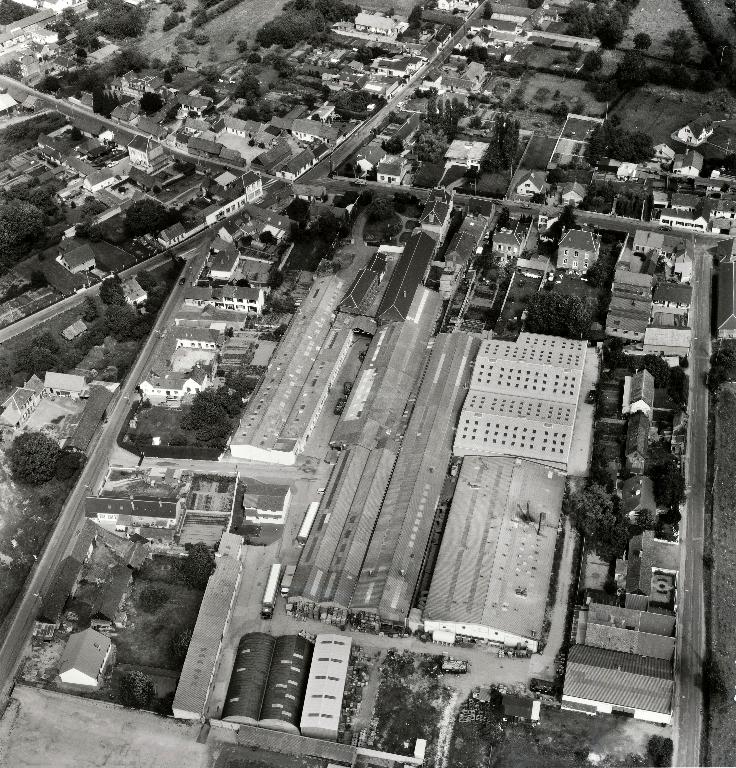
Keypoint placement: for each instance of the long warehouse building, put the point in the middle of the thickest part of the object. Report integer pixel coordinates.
(393, 564)
(283, 411)
(523, 400)
(492, 575)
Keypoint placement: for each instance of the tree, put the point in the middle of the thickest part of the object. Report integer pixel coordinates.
(722, 365)
(680, 43)
(669, 484)
(153, 597)
(612, 29)
(593, 61)
(21, 223)
(552, 313)
(601, 520)
(501, 149)
(89, 310)
(111, 291)
(147, 216)
(381, 209)
(642, 41)
(136, 690)
(180, 645)
(33, 458)
(394, 145)
(208, 91)
(659, 749)
(198, 565)
(430, 146)
(119, 20)
(68, 464)
(151, 102)
(248, 88)
(659, 369)
(123, 323)
(677, 388)
(487, 10)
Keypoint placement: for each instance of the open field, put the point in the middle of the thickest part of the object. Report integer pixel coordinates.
(246, 18)
(545, 91)
(42, 728)
(658, 110)
(722, 678)
(658, 18)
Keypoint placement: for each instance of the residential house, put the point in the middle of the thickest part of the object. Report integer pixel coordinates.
(637, 443)
(370, 156)
(672, 297)
(297, 165)
(121, 513)
(196, 338)
(375, 24)
(639, 393)
(147, 154)
(578, 250)
(391, 170)
(467, 242)
(64, 385)
(76, 329)
(76, 257)
(402, 66)
(85, 658)
(223, 261)
(468, 154)
(682, 266)
(315, 130)
(193, 104)
(630, 306)
(637, 498)
(135, 85)
(461, 6)
(668, 341)
(531, 183)
(265, 503)
(228, 200)
(572, 193)
(697, 132)
(18, 408)
(689, 164)
(134, 294)
(662, 244)
(435, 216)
(172, 235)
(174, 386)
(107, 610)
(699, 220)
(663, 153)
(510, 243)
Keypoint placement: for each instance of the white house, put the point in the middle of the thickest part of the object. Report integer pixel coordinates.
(696, 133)
(684, 219)
(85, 658)
(689, 164)
(265, 502)
(462, 6)
(531, 183)
(76, 258)
(626, 171)
(147, 154)
(663, 153)
(466, 153)
(196, 338)
(375, 24)
(392, 170)
(174, 386)
(134, 294)
(223, 263)
(64, 385)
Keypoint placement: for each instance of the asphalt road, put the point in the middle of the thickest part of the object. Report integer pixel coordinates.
(690, 651)
(21, 326)
(17, 627)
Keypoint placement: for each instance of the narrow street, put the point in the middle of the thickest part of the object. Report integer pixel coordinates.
(690, 650)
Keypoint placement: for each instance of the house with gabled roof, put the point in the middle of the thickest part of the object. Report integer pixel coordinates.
(173, 386)
(726, 307)
(639, 393)
(76, 256)
(696, 132)
(435, 216)
(531, 183)
(391, 170)
(637, 443)
(572, 193)
(409, 273)
(85, 658)
(578, 250)
(688, 164)
(64, 385)
(18, 408)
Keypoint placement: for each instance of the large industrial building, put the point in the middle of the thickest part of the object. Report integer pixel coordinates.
(325, 687)
(195, 681)
(492, 574)
(389, 374)
(605, 681)
(393, 564)
(284, 410)
(523, 400)
(268, 681)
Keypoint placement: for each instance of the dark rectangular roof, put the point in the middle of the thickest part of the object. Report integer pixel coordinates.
(726, 311)
(406, 277)
(673, 292)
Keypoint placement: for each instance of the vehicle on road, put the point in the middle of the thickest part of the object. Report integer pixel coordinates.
(359, 183)
(307, 523)
(272, 589)
(347, 387)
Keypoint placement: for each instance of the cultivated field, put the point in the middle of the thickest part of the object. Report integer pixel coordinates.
(722, 677)
(659, 17)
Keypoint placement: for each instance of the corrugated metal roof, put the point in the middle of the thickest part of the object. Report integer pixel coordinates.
(392, 565)
(620, 679)
(287, 681)
(204, 649)
(495, 561)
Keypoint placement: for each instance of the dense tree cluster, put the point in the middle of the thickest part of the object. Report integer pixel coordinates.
(599, 517)
(430, 146)
(301, 19)
(118, 19)
(553, 313)
(722, 366)
(503, 144)
(10, 11)
(21, 225)
(148, 216)
(198, 565)
(211, 414)
(607, 22)
(136, 690)
(611, 140)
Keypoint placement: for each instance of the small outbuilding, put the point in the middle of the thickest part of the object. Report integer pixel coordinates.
(85, 658)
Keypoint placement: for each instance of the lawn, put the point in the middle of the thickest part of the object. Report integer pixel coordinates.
(659, 111)
(157, 421)
(383, 231)
(659, 17)
(146, 639)
(538, 152)
(544, 91)
(722, 676)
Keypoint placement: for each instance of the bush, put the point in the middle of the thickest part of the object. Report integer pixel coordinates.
(659, 750)
(180, 645)
(136, 690)
(152, 597)
(198, 565)
(33, 458)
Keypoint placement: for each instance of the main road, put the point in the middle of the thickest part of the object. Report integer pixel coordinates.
(17, 627)
(690, 650)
